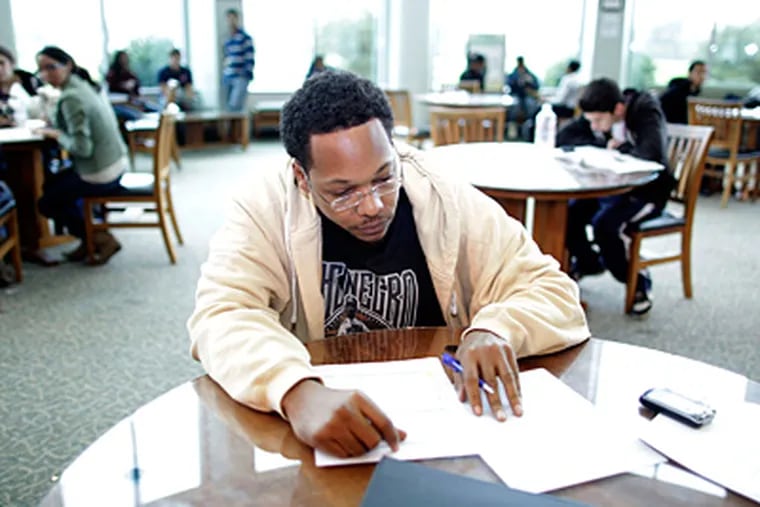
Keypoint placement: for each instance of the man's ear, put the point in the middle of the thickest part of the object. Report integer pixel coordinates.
(299, 173)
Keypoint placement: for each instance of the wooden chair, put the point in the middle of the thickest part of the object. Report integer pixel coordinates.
(12, 242)
(141, 138)
(451, 125)
(151, 192)
(403, 125)
(687, 151)
(725, 149)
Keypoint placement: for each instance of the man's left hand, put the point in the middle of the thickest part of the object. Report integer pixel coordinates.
(485, 355)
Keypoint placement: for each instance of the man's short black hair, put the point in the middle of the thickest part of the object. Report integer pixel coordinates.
(174, 52)
(232, 12)
(600, 96)
(327, 102)
(477, 58)
(574, 65)
(695, 63)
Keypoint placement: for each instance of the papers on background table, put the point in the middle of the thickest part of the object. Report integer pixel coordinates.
(561, 439)
(417, 396)
(726, 451)
(592, 157)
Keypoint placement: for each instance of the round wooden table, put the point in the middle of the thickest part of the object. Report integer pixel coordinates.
(196, 446)
(513, 172)
(461, 98)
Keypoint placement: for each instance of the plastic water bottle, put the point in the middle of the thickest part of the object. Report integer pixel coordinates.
(546, 126)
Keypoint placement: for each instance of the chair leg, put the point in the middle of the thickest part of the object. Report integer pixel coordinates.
(89, 231)
(633, 271)
(165, 234)
(686, 263)
(728, 184)
(173, 217)
(13, 231)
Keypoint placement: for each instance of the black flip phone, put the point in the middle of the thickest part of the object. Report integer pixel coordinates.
(694, 413)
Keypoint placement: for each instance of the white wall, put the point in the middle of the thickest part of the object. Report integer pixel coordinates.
(203, 49)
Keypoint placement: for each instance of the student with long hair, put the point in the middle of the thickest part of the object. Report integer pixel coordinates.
(85, 126)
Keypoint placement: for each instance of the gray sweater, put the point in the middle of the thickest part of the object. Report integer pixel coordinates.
(89, 131)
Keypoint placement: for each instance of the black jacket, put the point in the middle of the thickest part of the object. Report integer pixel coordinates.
(674, 100)
(645, 123)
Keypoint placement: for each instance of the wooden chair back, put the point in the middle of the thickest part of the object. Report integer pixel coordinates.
(12, 241)
(452, 125)
(401, 105)
(723, 116)
(687, 153)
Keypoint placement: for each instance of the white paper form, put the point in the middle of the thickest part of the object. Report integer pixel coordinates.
(726, 451)
(561, 439)
(417, 396)
(595, 158)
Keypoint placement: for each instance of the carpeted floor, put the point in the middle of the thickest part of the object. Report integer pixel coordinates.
(81, 348)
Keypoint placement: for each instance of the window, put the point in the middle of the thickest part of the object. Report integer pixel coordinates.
(38, 26)
(345, 33)
(546, 32)
(665, 40)
(147, 30)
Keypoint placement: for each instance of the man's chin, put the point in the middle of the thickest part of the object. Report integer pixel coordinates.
(372, 234)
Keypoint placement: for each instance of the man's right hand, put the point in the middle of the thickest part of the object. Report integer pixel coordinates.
(343, 423)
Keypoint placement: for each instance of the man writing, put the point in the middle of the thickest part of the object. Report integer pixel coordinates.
(352, 217)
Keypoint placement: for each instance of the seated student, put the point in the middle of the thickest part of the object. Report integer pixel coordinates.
(121, 79)
(476, 70)
(355, 220)
(566, 98)
(633, 123)
(86, 127)
(176, 83)
(18, 92)
(674, 100)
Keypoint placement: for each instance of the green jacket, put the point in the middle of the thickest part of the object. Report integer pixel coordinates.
(89, 131)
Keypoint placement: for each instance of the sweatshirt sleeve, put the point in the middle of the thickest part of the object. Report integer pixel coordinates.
(235, 329)
(77, 136)
(518, 293)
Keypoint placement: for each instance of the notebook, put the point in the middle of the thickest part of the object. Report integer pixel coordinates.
(407, 484)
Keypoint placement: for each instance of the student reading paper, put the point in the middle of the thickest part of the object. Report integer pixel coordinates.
(354, 234)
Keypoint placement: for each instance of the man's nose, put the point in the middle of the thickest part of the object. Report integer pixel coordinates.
(370, 205)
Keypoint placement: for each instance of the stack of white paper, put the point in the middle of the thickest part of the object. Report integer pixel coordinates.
(561, 439)
(592, 157)
(726, 451)
(417, 396)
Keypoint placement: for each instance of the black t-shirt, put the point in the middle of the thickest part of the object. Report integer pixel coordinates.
(183, 75)
(383, 285)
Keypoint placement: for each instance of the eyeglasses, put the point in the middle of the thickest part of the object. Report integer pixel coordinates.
(49, 67)
(352, 200)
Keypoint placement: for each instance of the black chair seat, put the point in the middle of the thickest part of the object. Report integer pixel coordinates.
(134, 184)
(724, 153)
(664, 221)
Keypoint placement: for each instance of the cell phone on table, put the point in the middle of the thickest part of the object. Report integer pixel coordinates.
(692, 412)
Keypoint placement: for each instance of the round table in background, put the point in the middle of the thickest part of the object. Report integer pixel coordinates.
(461, 98)
(513, 172)
(196, 446)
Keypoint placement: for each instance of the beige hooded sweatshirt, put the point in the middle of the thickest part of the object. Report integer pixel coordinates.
(259, 295)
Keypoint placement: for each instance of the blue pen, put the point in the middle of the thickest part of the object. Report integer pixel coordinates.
(455, 365)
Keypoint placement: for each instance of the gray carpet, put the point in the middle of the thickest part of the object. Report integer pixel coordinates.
(81, 348)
